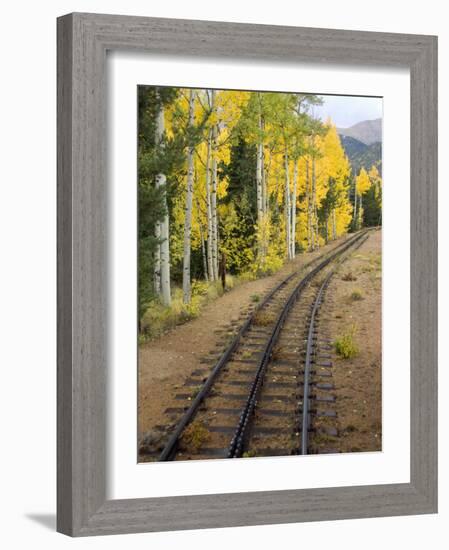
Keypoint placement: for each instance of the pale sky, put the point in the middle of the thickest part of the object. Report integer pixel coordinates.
(346, 111)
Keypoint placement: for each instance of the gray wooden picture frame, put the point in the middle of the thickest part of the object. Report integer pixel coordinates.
(83, 40)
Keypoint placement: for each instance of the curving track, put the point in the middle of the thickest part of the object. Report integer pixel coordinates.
(259, 398)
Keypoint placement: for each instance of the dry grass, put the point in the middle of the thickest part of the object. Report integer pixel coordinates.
(279, 354)
(263, 318)
(348, 276)
(194, 436)
(317, 282)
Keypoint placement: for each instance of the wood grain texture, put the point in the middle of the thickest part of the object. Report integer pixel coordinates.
(83, 40)
(423, 275)
(64, 276)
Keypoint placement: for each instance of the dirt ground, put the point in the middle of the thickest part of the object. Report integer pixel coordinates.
(166, 362)
(353, 305)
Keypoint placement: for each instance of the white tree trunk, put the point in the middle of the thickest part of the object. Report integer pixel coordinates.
(214, 221)
(265, 173)
(210, 267)
(214, 208)
(186, 291)
(287, 209)
(157, 259)
(213, 199)
(264, 198)
(264, 185)
(203, 251)
(261, 245)
(360, 212)
(293, 210)
(259, 176)
(164, 255)
(260, 189)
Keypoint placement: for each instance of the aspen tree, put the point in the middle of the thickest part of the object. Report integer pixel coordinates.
(157, 259)
(334, 171)
(266, 178)
(260, 184)
(214, 192)
(214, 206)
(162, 228)
(210, 264)
(264, 182)
(259, 166)
(362, 184)
(287, 209)
(186, 284)
(256, 167)
(293, 211)
(355, 205)
(203, 246)
(297, 151)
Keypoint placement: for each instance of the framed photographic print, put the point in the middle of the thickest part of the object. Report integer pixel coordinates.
(246, 274)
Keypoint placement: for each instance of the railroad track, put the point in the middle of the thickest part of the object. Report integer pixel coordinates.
(259, 397)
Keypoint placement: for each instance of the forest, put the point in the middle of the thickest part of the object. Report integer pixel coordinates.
(231, 185)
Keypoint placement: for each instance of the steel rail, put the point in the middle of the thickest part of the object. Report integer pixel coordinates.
(308, 362)
(170, 449)
(309, 354)
(236, 447)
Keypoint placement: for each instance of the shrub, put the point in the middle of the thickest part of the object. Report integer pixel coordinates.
(356, 295)
(230, 282)
(271, 264)
(199, 288)
(214, 290)
(249, 454)
(349, 276)
(345, 345)
(255, 298)
(142, 338)
(159, 318)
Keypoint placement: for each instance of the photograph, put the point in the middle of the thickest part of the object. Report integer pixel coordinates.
(259, 322)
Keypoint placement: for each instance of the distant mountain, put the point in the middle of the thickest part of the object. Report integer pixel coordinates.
(362, 155)
(367, 131)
